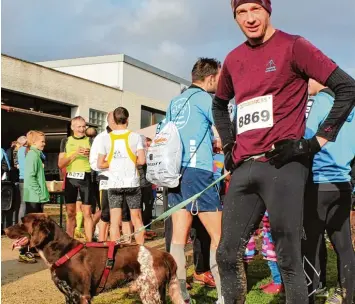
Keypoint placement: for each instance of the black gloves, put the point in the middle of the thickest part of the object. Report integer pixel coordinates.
(286, 150)
(228, 157)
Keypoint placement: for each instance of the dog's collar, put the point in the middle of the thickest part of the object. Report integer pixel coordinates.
(67, 256)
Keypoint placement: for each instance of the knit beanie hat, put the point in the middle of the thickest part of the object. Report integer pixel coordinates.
(266, 4)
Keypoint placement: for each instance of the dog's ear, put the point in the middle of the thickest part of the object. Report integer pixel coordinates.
(30, 220)
(39, 233)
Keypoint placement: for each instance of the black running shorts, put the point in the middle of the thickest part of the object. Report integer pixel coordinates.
(95, 194)
(73, 186)
(105, 208)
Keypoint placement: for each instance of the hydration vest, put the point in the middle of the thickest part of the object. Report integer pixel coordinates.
(123, 172)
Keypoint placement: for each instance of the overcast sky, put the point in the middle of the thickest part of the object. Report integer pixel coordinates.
(169, 34)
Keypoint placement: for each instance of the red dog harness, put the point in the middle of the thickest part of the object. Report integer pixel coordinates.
(109, 261)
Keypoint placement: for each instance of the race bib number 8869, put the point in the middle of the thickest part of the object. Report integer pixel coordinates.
(256, 113)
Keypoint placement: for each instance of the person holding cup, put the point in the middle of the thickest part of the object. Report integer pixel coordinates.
(74, 156)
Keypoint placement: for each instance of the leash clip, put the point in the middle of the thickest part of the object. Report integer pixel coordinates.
(194, 203)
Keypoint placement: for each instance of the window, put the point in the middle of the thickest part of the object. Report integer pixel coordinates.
(150, 116)
(99, 118)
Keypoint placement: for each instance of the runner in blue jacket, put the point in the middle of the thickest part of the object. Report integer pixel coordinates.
(328, 199)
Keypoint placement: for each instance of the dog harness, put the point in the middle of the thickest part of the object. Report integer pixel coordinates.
(110, 261)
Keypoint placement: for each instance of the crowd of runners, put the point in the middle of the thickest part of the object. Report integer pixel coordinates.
(84, 185)
(107, 172)
(288, 142)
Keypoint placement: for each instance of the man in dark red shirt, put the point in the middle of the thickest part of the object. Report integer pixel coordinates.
(268, 75)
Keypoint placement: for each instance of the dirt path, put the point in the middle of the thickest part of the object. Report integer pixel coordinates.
(31, 283)
(25, 283)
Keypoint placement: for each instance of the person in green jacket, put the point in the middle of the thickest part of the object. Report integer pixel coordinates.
(35, 188)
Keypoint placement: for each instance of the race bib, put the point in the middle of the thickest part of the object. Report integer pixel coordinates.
(256, 113)
(116, 184)
(103, 185)
(76, 175)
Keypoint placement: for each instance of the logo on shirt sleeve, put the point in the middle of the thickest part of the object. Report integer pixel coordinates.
(271, 67)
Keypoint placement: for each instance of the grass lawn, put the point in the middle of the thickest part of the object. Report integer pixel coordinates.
(258, 274)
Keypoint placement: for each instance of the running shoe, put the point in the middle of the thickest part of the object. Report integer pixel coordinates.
(190, 301)
(266, 285)
(148, 236)
(336, 298)
(273, 289)
(205, 279)
(79, 234)
(322, 293)
(34, 252)
(27, 257)
(151, 233)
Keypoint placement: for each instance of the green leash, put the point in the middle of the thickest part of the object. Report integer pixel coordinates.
(169, 212)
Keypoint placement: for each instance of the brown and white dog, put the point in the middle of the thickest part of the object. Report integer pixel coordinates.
(149, 270)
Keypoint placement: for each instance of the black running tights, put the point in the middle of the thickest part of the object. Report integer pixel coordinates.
(254, 187)
(330, 211)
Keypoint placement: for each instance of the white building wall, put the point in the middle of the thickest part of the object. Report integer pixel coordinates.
(35, 80)
(105, 73)
(123, 72)
(133, 103)
(120, 75)
(148, 84)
